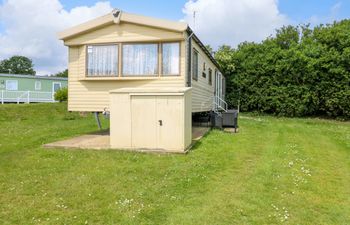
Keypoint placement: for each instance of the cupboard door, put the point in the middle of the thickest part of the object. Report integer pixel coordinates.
(143, 122)
(170, 122)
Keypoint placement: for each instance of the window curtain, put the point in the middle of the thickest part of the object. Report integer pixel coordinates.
(103, 60)
(140, 59)
(171, 59)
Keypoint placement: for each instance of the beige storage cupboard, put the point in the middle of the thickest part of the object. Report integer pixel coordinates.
(151, 119)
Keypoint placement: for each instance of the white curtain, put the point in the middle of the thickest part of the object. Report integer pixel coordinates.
(103, 60)
(171, 59)
(140, 59)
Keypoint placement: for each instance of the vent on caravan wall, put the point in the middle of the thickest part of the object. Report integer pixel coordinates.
(116, 14)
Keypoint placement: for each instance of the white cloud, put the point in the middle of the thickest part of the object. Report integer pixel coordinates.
(31, 28)
(234, 21)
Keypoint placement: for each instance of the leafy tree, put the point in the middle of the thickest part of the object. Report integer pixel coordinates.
(62, 74)
(225, 57)
(299, 72)
(209, 48)
(17, 65)
(287, 36)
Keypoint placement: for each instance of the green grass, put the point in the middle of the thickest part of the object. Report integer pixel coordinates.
(275, 171)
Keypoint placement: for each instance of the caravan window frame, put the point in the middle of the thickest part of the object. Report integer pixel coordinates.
(162, 59)
(102, 45)
(210, 77)
(120, 64)
(37, 85)
(195, 65)
(11, 89)
(139, 75)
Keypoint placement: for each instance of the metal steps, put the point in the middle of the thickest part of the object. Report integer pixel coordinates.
(225, 119)
(221, 116)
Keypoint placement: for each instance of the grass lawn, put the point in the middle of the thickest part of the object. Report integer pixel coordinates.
(275, 171)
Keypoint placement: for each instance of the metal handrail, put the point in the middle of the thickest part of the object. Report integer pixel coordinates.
(218, 102)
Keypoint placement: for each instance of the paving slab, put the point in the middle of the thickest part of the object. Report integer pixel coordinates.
(100, 141)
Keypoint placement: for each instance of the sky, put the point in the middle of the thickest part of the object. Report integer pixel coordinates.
(29, 27)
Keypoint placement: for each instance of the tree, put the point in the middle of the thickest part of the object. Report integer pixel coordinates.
(225, 57)
(210, 49)
(62, 74)
(17, 65)
(287, 36)
(302, 71)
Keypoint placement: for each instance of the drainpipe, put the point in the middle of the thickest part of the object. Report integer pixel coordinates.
(189, 59)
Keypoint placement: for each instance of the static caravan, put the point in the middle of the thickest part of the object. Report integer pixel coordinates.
(17, 88)
(152, 75)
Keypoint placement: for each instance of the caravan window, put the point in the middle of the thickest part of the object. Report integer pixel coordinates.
(102, 60)
(171, 59)
(195, 65)
(37, 85)
(140, 60)
(210, 76)
(11, 85)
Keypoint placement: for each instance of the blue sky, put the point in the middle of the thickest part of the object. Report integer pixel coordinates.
(157, 8)
(218, 22)
(298, 11)
(301, 11)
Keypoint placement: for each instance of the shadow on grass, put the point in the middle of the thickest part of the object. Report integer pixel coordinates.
(197, 144)
(103, 132)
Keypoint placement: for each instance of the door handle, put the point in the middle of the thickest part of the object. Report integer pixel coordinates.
(160, 122)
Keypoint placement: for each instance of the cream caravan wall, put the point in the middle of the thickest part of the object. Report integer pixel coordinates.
(124, 32)
(92, 94)
(202, 91)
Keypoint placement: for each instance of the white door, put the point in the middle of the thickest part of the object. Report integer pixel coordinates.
(218, 85)
(143, 122)
(170, 118)
(56, 86)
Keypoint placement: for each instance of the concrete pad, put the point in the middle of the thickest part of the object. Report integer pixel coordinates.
(100, 141)
(199, 132)
(89, 141)
(231, 130)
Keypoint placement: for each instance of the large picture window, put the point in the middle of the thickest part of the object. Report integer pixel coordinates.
(102, 60)
(140, 60)
(195, 65)
(171, 59)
